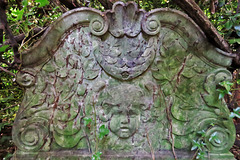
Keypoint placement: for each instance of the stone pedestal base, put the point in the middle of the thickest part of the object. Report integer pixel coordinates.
(85, 155)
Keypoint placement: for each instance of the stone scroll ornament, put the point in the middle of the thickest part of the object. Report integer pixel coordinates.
(150, 78)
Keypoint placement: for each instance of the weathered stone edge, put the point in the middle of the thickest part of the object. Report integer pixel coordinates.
(41, 52)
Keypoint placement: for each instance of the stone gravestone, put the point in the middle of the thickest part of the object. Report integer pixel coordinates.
(149, 78)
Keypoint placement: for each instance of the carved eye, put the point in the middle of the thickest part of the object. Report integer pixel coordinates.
(132, 113)
(119, 112)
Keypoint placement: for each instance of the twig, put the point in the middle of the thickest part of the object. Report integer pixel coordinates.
(23, 43)
(168, 109)
(14, 44)
(1, 32)
(238, 7)
(8, 108)
(150, 145)
(70, 4)
(7, 71)
(19, 38)
(170, 128)
(95, 126)
(195, 154)
(195, 12)
(57, 3)
(107, 4)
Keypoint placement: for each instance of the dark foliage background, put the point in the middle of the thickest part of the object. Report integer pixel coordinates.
(22, 22)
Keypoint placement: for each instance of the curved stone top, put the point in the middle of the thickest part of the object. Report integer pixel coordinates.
(136, 73)
(114, 22)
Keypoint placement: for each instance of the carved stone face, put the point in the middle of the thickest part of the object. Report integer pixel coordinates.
(124, 104)
(125, 120)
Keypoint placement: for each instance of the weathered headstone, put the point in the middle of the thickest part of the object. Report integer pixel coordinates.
(151, 78)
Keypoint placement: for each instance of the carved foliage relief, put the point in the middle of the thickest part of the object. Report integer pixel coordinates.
(145, 76)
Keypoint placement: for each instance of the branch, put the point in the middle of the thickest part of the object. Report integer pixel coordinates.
(193, 11)
(3, 19)
(8, 107)
(1, 32)
(57, 3)
(238, 7)
(19, 38)
(213, 6)
(71, 4)
(7, 71)
(107, 4)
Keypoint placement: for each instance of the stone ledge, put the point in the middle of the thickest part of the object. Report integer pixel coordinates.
(110, 155)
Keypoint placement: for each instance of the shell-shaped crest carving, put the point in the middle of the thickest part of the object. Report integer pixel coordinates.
(125, 19)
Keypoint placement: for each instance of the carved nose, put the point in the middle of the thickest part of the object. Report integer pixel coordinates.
(124, 119)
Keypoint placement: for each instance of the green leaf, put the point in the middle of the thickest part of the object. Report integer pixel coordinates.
(212, 124)
(17, 13)
(3, 48)
(87, 121)
(42, 2)
(202, 133)
(213, 137)
(103, 131)
(221, 3)
(25, 3)
(238, 81)
(232, 115)
(234, 40)
(228, 24)
(217, 140)
(237, 28)
(238, 33)
(194, 147)
(200, 155)
(2, 100)
(8, 156)
(2, 125)
(96, 156)
(236, 109)
(237, 15)
(221, 95)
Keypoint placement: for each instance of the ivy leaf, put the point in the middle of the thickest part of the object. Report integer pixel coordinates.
(103, 131)
(236, 109)
(200, 155)
(238, 33)
(218, 140)
(25, 3)
(235, 113)
(221, 95)
(237, 28)
(42, 2)
(228, 24)
(202, 133)
(221, 3)
(87, 121)
(96, 156)
(8, 156)
(213, 136)
(3, 48)
(194, 147)
(234, 40)
(17, 13)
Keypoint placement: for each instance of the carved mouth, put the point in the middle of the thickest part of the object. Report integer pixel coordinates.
(124, 129)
